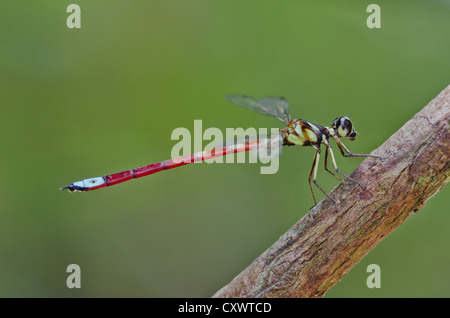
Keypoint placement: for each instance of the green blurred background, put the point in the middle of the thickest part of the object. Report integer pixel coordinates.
(80, 103)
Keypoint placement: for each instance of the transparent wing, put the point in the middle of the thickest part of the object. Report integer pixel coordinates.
(277, 107)
(247, 102)
(271, 106)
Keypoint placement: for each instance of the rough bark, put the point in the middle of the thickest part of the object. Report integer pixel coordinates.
(325, 244)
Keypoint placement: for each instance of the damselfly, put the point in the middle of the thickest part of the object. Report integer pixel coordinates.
(298, 132)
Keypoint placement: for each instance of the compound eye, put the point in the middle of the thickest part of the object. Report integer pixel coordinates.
(343, 126)
(347, 128)
(346, 124)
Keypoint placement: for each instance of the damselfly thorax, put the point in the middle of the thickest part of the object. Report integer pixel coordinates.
(302, 133)
(297, 132)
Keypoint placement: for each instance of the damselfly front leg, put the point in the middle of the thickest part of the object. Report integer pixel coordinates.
(333, 160)
(346, 153)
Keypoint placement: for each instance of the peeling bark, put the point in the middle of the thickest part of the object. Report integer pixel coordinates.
(326, 243)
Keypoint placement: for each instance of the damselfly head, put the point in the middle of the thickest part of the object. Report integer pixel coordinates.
(343, 128)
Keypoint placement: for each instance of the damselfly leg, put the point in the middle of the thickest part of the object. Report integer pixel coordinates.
(326, 165)
(346, 153)
(333, 160)
(313, 174)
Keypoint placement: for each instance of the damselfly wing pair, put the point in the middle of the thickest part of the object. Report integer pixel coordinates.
(297, 132)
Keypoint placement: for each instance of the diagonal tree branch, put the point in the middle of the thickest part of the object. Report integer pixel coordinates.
(325, 244)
